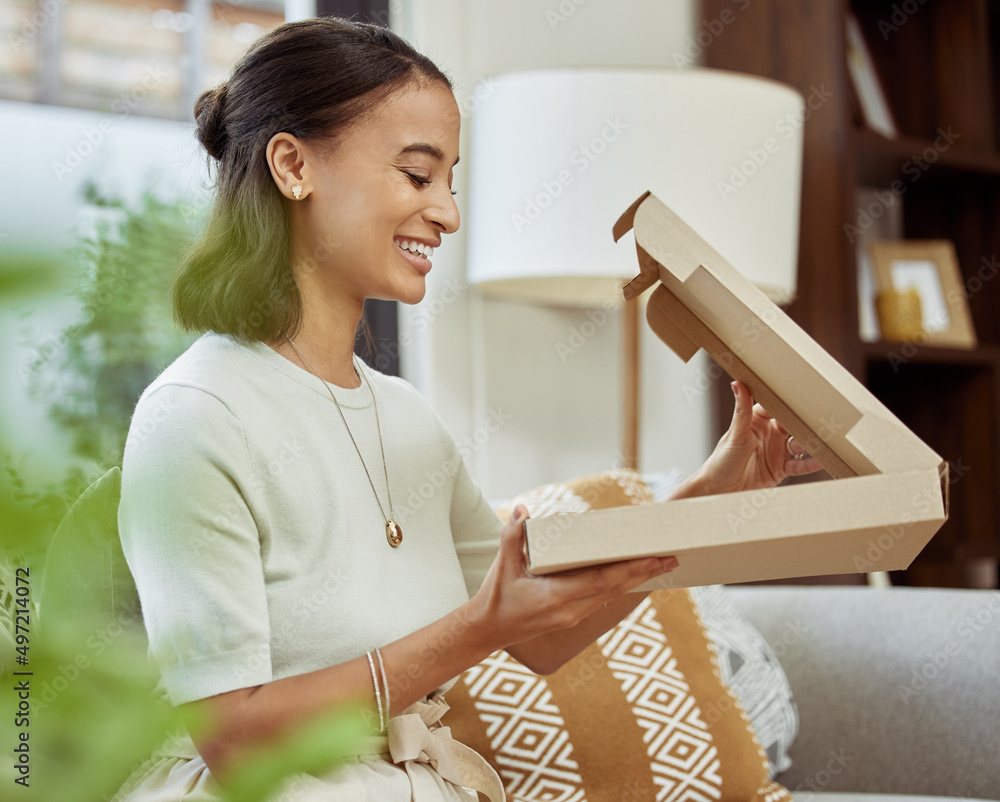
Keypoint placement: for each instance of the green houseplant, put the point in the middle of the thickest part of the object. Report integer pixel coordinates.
(86, 713)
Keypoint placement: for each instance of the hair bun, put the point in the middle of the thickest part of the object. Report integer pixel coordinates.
(210, 116)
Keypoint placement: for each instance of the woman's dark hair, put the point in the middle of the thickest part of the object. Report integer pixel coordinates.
(312, 79)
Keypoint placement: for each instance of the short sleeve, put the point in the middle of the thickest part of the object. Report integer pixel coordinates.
(475, 528)
(192, 544)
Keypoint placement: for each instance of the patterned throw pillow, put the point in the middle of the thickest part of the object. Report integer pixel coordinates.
(752, 670)
(749, 665)
(641, 714)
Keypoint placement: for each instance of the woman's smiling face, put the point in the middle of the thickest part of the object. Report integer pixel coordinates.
(379, 200)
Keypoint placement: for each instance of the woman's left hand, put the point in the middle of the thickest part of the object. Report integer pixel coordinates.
(757, 451)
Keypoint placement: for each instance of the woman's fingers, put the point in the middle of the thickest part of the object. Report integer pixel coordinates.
(583, 592)
(743, 413)
(512, 532)
(797, 460)
(528, 604)
(801, 467)
(612, 579)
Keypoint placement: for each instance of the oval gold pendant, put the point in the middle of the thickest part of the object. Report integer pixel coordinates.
(393, 533)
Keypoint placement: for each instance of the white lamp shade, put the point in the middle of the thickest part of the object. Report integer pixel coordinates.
(557, 155)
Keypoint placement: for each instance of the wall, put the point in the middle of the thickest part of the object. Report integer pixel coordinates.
(487, 364)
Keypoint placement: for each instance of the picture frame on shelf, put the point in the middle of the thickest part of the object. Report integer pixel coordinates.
(873, 104)
(930, 268)
(878, 219)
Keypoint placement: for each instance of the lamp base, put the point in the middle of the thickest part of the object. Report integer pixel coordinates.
(630, 384)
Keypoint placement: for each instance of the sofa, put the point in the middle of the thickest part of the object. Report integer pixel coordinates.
(897, 690)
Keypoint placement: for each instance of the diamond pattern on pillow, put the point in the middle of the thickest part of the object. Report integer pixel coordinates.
(642, 713)
(749, 666)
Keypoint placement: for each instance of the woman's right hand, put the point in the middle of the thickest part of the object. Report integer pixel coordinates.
(515, 606)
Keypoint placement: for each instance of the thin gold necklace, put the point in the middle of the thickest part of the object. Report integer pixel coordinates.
(393, 532)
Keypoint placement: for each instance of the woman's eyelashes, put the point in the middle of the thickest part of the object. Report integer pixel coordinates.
(420, 181)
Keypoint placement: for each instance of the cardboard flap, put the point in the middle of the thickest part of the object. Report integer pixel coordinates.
(649, 271)
(624, 223)
(845, 427)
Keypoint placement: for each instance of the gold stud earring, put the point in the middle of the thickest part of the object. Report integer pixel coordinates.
(297, 191)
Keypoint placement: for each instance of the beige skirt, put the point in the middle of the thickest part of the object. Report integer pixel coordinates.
(416, 760)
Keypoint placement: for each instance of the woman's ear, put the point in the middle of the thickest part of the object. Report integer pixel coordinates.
(286, 159)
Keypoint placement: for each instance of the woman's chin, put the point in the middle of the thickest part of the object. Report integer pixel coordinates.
(412, 295)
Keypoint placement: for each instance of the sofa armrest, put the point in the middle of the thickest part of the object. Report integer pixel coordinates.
(898, 690)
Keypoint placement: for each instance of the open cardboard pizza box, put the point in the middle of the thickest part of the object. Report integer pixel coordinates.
(889, 492)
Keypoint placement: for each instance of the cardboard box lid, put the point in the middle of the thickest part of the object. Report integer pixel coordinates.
(888, 481)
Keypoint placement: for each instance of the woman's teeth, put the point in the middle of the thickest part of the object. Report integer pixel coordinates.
(416, 247)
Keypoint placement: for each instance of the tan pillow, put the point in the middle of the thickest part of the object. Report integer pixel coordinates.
(641, 714)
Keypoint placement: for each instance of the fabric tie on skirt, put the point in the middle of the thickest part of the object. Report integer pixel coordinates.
(416, 735)
(416, 744)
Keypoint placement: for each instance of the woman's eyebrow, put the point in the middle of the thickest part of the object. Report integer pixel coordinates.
(424, 147)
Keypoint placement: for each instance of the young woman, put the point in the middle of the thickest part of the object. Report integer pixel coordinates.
(266, 470)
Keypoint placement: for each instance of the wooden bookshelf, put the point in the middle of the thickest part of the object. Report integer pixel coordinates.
(940, 69)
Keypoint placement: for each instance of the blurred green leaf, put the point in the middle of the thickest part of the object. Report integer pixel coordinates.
(314, 749)
(25, 274)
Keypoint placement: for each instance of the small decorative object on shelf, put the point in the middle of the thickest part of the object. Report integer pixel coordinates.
(876, 113)
(899, 315)
(879, 217)
(930, 269)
